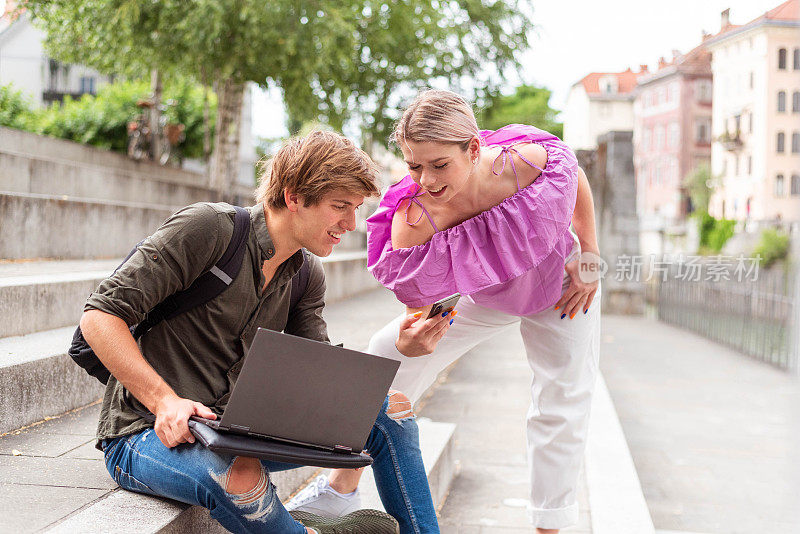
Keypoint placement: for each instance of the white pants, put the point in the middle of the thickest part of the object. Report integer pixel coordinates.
(563, 355)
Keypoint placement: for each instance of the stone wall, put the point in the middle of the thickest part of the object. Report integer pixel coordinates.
(611, 175)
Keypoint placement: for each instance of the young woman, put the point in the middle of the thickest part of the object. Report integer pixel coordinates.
(488, 214)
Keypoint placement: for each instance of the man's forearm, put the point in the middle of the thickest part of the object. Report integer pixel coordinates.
(583, 216)
(114, 345)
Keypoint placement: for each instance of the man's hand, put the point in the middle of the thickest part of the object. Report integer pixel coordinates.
(419, 337)
(172, 419)
(579, 295)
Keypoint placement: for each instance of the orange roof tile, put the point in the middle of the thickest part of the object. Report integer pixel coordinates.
(626, 81)
(789, 10)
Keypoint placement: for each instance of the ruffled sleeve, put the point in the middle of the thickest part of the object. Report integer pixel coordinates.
(491, 248)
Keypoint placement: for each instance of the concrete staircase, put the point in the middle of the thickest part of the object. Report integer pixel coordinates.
(65, 209)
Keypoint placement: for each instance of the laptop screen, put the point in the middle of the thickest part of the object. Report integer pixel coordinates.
(309, 392)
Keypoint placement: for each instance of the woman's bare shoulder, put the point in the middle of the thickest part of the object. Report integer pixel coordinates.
(410, 226)
(534, 153)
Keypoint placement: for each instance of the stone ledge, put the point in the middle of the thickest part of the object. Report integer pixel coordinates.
(44, 302)
(42, 226)
(125, 512)
(38, 379)
(615, 495)
(437, 441)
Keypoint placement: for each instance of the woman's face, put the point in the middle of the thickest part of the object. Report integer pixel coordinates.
(441, 169)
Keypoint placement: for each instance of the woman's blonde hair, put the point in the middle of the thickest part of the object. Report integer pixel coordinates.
(313, 166)
(438, 116)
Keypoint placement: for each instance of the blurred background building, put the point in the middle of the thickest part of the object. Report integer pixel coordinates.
(599, 103)
(25, 64)
(756, 119)
(671, 137)
(724, 116)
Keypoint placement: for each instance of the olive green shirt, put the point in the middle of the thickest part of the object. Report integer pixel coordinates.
(200, 352)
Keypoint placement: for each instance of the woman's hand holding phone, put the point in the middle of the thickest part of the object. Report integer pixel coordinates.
(418, 336)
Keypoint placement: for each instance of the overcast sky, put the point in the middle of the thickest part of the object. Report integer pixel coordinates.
(571, 38)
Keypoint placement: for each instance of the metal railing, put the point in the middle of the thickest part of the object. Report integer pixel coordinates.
(758, 317)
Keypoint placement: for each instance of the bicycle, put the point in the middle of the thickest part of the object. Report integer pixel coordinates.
(140, 136)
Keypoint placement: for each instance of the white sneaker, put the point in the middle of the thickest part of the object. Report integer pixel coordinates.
(321, 499)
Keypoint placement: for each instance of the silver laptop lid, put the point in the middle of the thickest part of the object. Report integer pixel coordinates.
(308, 392)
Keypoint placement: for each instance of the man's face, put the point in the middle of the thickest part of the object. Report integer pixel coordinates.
(320, 227)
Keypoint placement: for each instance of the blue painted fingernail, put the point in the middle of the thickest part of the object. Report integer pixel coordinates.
(563, 315)
(451, 321)
(584, 311)
(445, 313)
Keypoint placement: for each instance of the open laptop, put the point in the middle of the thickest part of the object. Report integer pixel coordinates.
(306, 394)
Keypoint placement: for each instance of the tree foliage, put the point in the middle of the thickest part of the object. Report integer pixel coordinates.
(377, 54)
(15, 109)
(699, 184)
(335, 60)
(773, 246)
(714, 233)
(527, 105)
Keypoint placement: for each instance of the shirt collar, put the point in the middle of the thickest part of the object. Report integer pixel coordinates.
(259, 225)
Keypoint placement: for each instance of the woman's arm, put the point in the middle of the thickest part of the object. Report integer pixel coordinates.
(418, 336)
(583, 216)
(579, 295)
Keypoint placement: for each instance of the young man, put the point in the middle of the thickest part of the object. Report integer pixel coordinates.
(187, 365)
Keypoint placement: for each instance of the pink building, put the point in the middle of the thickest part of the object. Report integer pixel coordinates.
(672, 137)
(672, 131)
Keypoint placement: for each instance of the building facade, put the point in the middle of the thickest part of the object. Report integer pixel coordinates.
(756, 119)
(671, 139)
(601, 102)
(25, 64)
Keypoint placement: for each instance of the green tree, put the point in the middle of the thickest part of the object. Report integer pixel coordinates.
(699, 184)
(15, 109)
(714, 233)
(382, 52)
(773, 246)
(527, 105)
(335, 60)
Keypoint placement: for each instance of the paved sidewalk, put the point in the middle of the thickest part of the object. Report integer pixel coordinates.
(715, 436)
(487, 393)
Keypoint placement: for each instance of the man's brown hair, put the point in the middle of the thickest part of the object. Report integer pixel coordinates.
(315, 165)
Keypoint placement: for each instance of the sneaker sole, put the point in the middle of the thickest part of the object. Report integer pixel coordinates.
(358, 522)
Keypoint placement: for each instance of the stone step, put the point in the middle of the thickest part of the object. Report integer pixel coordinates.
(38, 379)
(42, 226)
(55, 443)
(52, 472)
(44, 295)
(31, 163)
(437, 441)
(66, 227)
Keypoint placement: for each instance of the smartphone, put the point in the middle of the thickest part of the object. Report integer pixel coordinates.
(445, 305)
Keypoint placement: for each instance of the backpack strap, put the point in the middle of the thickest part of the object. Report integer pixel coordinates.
(299, 283)
(208, 285)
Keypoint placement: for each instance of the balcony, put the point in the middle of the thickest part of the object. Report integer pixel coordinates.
(731, 142)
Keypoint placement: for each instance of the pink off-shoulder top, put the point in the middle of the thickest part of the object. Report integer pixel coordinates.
(510, 257)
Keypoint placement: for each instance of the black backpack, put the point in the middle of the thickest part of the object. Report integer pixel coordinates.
(205, 288)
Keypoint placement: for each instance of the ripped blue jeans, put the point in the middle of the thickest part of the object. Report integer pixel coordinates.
(192, 474)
